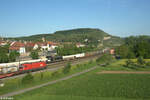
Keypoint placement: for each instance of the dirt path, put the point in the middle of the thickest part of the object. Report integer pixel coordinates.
(124, 72)
(49, 83)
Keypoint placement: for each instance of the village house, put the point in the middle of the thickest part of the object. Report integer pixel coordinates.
(48, 46)
(107, 38)
(22, 48)
(17, 46)
(42, 46)
(67, 43)
(112, 51)
(31, 46)
(78, 45)
(2, 43)
(52, 45)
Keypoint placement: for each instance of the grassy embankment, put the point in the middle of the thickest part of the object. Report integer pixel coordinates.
(141, 82)
(43, 77)
(94, 86)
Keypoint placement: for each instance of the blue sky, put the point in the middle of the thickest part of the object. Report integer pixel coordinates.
(116, 17)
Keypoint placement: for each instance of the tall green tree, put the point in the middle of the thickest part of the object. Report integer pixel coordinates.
(140, 60)
(4, 58)
(125, 51)
(4, 54)
(4, 49)
(142, 49)
(67, 68)
(13, 55)
(72, 49)
(34, 55)
(27, 79)
(135, 47)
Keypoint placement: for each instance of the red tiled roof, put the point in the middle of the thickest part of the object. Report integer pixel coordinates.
(79, 44)
(30, 44)
(1, 42)
(52, 43)
(41, 43)
(16, 46)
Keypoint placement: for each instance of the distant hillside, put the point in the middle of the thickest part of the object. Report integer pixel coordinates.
(75, 35)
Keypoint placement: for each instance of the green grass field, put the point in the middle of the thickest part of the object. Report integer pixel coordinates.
(93, 86)
(90, 86)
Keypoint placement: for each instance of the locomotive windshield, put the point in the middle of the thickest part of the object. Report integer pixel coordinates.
(21, 66)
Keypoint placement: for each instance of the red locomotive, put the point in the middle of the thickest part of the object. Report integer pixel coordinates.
(27, 67)
(32, 66)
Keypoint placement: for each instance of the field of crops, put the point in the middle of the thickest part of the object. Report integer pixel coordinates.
(93, 86)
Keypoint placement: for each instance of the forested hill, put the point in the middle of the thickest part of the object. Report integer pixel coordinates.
(74, 35)
(82, 31)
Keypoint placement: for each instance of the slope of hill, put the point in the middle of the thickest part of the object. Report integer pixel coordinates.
(75, 35)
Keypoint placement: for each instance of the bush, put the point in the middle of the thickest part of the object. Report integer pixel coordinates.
(55, 73)
(67, 68)
(132, 65)
(91, 61)
(41, 75)
(27, 78)
(129, 63)
(34, 55)
(148, 64)
(78, 65)
(140, 60)
(106, 58)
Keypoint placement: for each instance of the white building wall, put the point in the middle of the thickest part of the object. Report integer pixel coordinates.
(35, 47)
(22, 50)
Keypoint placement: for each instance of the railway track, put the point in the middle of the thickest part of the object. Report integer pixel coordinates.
(57, 65)
(72, 60)
(75, 61)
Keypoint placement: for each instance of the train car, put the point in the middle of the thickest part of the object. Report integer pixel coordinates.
(27, 67)
(6, 75)
(80, 55)
(60, 58)
(8, 71)
(51, 59)
(32, 67)
(69, 57)
(88, 54)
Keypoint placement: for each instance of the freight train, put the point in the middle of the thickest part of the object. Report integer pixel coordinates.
(15, 68)
(60, 58)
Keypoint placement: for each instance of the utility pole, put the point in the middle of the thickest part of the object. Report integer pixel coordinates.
(19, 62)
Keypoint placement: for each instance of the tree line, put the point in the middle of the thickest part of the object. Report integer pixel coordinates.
(70, 49)
(134, 47)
